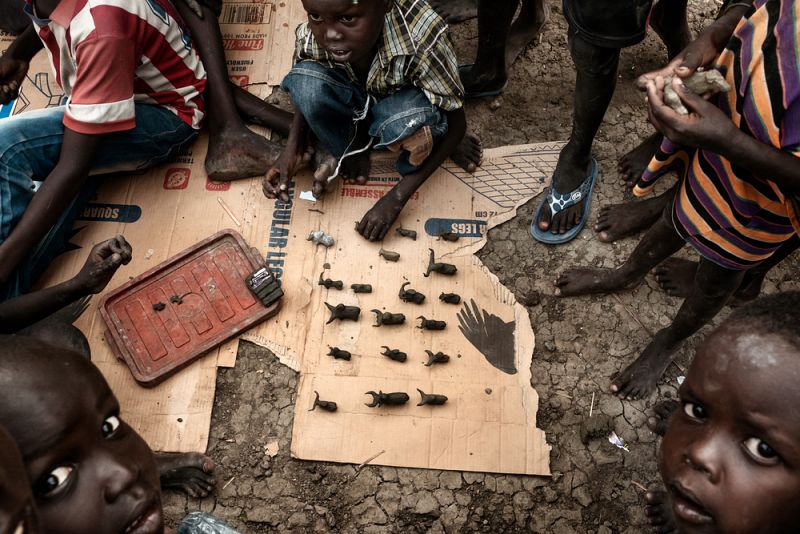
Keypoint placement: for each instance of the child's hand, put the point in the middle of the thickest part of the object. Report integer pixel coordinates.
(276, 181)
(704, 127)
(12, 74)
(103, 261)
(699, 53)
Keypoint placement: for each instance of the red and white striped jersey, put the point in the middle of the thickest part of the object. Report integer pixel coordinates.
(108, 54)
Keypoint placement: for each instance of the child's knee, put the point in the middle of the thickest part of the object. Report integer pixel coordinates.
(403, 114)
(592, 60)
(311, 83)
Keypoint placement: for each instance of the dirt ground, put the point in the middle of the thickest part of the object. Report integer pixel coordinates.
(580, 343)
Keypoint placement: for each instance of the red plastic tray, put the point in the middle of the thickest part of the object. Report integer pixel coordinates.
(215, 306)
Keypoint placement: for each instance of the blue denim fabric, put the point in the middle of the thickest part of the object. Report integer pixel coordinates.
(333, 108)
(30, 146)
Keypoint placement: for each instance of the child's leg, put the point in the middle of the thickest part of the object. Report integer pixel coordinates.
(594, 86)
(12, 18)
(453, 11)
(660, 242)
(233, 150)
(713, 286)
(668, 19)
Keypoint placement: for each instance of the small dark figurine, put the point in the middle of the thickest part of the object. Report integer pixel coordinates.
(328, 283)
(361, 288)
(441, 268)
(394, 354)
(338, 353)
(328, 406)
(382, 318)
(159, 306)
(431, 324)
(342, 312)
(407, 233)
(381, 398)
(410, 295)
(431, 400)
(449, 236)
(450, 298)
(389, 255)
(439, 357)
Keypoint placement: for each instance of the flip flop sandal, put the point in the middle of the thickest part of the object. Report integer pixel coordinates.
(480, 94)
(558, 202)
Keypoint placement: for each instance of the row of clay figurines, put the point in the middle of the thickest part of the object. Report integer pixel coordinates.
(384, 399)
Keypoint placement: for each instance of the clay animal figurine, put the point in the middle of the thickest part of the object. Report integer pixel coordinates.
(431, 400)
(407, 233)
(361, 288)
(449, 236)
(388, 255)
(319, 237)
(439, 357)
(447, 269)
(382, 318)
(342, 312)
(450, 298)
(328, 406)
(431, 324)
(394, 354)
(393, 399)
(339, 354)
(701, 82)
(410, 295)
(328, 283)
(159, 306)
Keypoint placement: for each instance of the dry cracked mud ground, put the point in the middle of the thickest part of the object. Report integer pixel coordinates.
(580, 343)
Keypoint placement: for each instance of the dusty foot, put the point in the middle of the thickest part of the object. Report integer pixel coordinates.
(469, 153)
(621, 220)
(323, 165)
(632, 165)
(103, 261)
(525, 29)
(355, 169)
(453, 11)
(239, 153)
(589, 280)
(676, 278)
(662, 412)
(492, 80)
(190, 473)
(377, 221)
(659, 511)
(639, 379)
(571, 171)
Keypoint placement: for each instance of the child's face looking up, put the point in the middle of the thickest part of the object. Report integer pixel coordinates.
(90, 472)
(730, 458)
(349, 32)
(17, 515)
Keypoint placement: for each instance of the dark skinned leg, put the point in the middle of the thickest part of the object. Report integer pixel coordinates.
(190, 473)
(596, 79)
(233, 150)
(526, 27)
(621, 220)
(659, 511)
(632, 165)
(659, 243)
(454, 11)
(713, 286)
(676, 275)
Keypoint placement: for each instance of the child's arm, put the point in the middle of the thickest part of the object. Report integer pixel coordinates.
(276, 181)
(50, 201)
(14, 63)
(103, 261)
(709, 128)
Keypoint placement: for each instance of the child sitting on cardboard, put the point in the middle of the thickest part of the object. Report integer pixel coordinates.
(380, 71)
(730, 455)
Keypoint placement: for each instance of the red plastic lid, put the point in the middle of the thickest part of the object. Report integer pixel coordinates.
(170, 315)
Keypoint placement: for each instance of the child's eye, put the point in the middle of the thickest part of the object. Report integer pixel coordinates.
(761, 451)
(54, 480)
(347, 18)
(695, 411)
(110, 425)
(314, 17)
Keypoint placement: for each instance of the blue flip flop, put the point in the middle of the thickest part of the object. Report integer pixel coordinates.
(558, 203)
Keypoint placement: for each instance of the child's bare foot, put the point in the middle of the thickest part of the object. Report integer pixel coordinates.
(662, 413)
(377, 221)
(676, 278)
(469, 153)
(355, 169)
(323, 165)
(236, 153)
(525, 29)
(103, 261)
(589, 280)
(488, 80)
(571, 170)
(621, 220)
(659, 511)
(190, 473)
(632, 165)
(453, 11)
(639, 379)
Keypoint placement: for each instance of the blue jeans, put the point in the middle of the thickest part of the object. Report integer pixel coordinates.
(30, 147)
(333, 107)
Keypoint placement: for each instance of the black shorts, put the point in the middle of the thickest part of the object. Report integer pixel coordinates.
(609, 23)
